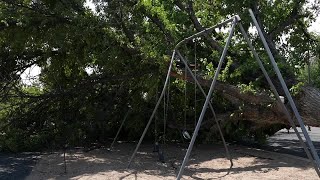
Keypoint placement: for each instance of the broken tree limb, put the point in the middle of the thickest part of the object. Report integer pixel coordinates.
(262, 109)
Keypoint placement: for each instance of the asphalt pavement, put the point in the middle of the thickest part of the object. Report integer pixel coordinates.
(288, 143)
(16, 166)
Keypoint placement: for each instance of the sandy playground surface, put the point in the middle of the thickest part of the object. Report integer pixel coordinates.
(206, 162)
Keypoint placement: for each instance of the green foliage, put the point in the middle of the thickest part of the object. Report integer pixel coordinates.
(247, 88)
(296, 89)
(308, 72)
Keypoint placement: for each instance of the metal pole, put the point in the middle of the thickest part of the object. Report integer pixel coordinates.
(286, 91)
(186, 158)
(195, 84)
(204, 32)
(210, 105)
(275, 92)
(115, 138)
(309, 77)
(155, 109)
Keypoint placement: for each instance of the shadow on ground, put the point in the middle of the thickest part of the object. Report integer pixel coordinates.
(206, 162)
(16, 166)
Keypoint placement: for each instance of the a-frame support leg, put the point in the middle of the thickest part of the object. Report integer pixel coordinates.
(195, 133)
(166, 83)
(275, 92)
(286, 91)
(210, 106)
(122, 123)
(155, 109)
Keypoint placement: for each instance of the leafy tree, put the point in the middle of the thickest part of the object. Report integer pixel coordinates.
(95, 65)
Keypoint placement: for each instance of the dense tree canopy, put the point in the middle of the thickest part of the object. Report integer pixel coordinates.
(96, 65)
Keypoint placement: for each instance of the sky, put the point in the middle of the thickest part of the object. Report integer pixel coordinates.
(30, 75)
(315, 27)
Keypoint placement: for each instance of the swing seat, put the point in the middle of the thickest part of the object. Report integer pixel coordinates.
(186, 135)
(156, 147)
(161, 156)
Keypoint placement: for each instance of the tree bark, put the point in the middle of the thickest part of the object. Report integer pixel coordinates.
(262, 109)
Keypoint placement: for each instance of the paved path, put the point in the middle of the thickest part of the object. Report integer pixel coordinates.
(288, 143)
(16, 166)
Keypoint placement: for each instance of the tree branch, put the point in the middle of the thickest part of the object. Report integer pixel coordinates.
(161, 26)
(190, 11)
(37, 10)
(288, 21)
(259, 20)
(230, 92)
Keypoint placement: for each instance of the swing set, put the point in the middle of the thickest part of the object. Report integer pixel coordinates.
(235, 20)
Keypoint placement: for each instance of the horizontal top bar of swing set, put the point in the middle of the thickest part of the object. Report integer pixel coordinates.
(207, 30)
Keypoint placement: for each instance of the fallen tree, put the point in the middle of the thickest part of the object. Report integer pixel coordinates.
(96, 65)
(261, 108)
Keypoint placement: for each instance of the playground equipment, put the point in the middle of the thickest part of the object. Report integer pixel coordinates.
(118, 132)
(235, 20)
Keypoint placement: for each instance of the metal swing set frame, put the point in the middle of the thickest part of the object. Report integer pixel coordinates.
(235, 20)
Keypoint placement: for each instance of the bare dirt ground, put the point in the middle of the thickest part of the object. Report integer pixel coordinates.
(206, 162)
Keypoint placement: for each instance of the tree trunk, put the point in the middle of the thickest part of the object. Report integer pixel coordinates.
(260, 108)
(308, 103)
